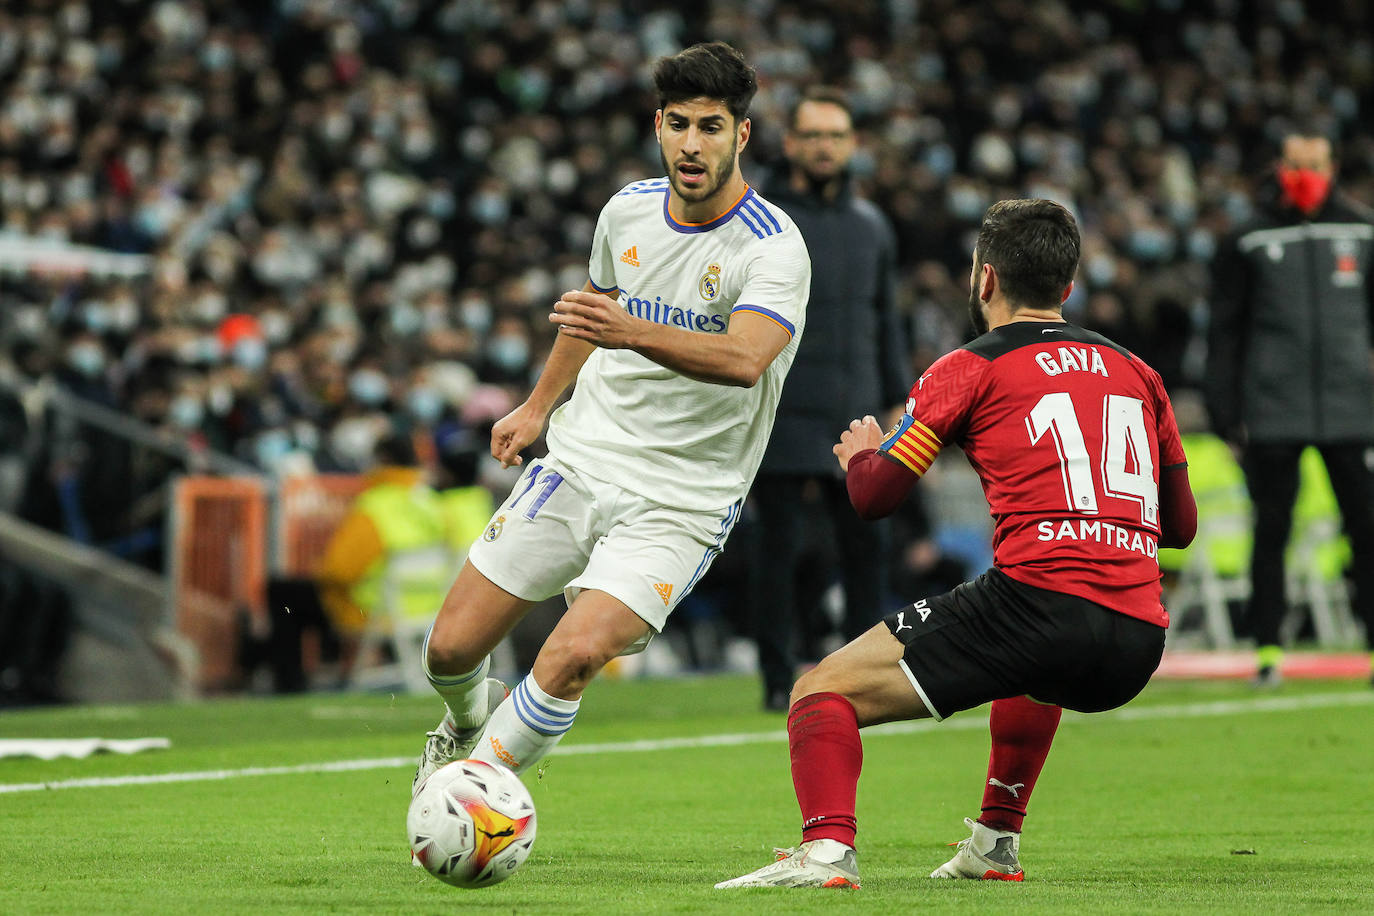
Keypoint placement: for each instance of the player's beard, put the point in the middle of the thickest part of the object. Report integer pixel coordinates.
(724, 170)
(975, 305)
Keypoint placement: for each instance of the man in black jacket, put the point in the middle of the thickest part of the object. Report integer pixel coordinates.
(1289, 366)
(854, 357)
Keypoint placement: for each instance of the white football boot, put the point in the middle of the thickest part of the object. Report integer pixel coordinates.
(448, 743)
(805, 866)
(987, 855)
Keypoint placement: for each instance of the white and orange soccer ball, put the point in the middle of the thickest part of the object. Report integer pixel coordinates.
(471, 824)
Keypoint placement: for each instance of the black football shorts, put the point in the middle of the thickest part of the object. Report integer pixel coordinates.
(995, 637)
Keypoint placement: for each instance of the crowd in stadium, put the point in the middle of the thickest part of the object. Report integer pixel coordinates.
(355, 214)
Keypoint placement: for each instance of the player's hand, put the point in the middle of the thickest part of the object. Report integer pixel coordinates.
(595, 318)
(513, 432)
(862, 434)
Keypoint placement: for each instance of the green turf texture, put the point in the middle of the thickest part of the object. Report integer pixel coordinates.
(1143, 815)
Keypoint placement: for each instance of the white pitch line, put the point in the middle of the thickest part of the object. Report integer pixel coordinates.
(1130, 714)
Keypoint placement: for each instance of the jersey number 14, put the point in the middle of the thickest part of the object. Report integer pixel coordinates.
(1125, 467)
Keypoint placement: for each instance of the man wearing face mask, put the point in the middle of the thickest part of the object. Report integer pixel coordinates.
(1289, 366)
(855, 357)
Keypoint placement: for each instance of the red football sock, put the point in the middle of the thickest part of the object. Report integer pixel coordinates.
(1022, 732)
(823, 735)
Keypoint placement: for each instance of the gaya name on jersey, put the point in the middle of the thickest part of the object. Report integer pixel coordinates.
(1103, 532)
(662, 313)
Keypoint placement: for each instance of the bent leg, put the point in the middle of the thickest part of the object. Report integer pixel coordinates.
(860, 684)
(1022, 732)
(475, 616)
(867, 674)
(542, 707)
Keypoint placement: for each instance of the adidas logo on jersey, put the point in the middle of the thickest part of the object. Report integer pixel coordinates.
(665, 591)
(631, 256)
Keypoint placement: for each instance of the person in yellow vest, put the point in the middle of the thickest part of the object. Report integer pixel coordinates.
(397, 512)
(465, 504)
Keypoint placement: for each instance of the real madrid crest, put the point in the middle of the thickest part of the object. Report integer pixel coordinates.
(494, 529)
(709, 285)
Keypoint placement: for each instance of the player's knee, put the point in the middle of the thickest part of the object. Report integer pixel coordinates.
(821, 679)
(446, 656)
(570, 665)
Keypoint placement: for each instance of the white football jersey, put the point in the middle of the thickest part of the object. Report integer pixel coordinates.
(630, 421)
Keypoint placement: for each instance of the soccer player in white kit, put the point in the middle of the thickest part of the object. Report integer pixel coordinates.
(679, 345)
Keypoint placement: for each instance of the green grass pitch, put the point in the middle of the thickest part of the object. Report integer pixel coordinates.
(1197, 798)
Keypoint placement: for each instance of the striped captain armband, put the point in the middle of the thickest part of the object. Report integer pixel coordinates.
(911, 443)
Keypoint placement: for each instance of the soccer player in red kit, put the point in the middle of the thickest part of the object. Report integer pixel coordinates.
(1078, 452)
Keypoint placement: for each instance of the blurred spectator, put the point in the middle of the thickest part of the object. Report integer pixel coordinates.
(397, 512)
(852, 360)
(1289, 366)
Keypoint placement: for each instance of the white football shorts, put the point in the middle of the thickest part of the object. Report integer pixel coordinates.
(560, 530)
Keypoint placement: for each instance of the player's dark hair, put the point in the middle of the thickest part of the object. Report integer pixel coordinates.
(711, 70)
(1034, 246)
(827, 95)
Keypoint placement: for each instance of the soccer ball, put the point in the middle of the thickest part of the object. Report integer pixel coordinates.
(471, 824)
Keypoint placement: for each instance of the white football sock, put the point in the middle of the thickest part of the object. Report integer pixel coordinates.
(465, 701)
(525, 727)
(828, 850)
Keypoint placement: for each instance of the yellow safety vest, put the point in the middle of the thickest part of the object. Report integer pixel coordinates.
(407, 517)
(466, 512)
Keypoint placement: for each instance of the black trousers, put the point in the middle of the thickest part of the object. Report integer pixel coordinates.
(1271, 475)
(783, 524)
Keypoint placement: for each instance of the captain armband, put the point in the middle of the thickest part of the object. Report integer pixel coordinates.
(912, 444)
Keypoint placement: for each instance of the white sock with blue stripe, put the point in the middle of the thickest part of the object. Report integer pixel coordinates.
(525, 727)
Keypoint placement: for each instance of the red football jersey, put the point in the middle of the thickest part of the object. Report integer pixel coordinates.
(1068, 433)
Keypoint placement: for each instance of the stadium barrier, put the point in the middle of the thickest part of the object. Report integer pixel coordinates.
(218, 562)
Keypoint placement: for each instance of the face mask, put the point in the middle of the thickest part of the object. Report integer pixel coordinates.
(509, 352)
(86, 358)
(1202, 245)
(186, 411)
(250, 353)
(1151, 244)
(439, 204)
(276, 327)
(1305, 189)
(476, 315)
(210, 308)
(97, 317)
(271, 446)
(123, 315)
(1101, 270)
(352, 441)
(368, 386)
(489, 209)
(210, 350)
(405, 319)
(221, 398)
(425, 404)
(342, 349)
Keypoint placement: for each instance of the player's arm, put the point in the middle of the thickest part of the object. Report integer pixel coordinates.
(737, 357)
(523, 425)
(1177, 507)
(881, 472)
